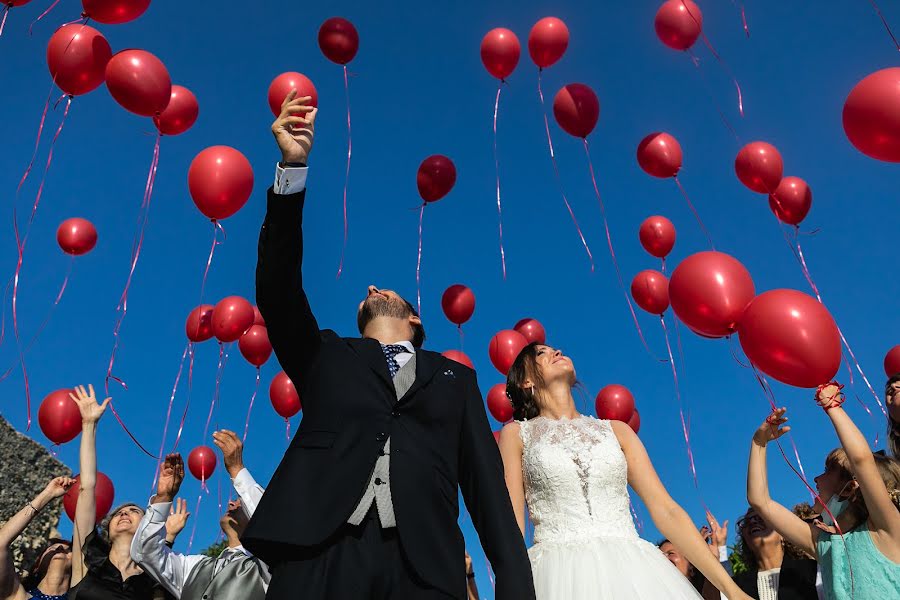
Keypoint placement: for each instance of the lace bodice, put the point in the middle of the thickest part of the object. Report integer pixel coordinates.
(576, 482)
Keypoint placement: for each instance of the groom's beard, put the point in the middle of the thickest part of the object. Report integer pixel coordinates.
(379, 306)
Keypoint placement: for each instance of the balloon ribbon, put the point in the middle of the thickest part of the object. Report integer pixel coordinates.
(162, 443)
(44, 14)
(696, 214)
(223, 358)
(347, 174)
(885, 23)
(497, 171)
(250, 408)
(419, 261)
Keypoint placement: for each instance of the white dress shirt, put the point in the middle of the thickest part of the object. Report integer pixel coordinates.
(170, 569)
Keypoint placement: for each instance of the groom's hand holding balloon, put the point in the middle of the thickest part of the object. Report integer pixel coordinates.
(294, 129)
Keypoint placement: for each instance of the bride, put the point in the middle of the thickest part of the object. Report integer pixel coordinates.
(573, 472)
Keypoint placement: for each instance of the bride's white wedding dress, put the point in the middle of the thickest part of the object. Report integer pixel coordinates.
(585, 544)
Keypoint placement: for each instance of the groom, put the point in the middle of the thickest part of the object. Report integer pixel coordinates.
(364, 504)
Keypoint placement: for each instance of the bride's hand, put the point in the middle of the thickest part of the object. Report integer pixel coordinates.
(771, 429)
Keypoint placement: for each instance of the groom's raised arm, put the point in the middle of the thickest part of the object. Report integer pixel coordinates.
(292, 327)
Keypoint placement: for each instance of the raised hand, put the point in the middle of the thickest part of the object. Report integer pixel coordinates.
(57, 487)
(772, 428)
(177, 519)
(90, 409)
(171, 474)
(294, 128)
(232, 451)
(715, 535)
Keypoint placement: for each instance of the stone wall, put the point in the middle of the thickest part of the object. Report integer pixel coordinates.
(25, 469)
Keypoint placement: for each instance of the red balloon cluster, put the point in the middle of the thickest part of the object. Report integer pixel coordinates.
(338, 40)
(892, 361)
(498, 403)
(104, 494)
(284, 396)
(77, 56)
(500, 51)
(198, 326)
(220, 180)
(202, 462)
(139, 82)
(59, 417)
(791, 200)
(678, 24)
(257, 317)
(460, 357)
(576, 109)
(114, 12)
(871, 115)
(759, 167)
(76, 236)
(657, 235)
(458, 303)
(650, 290)
(255, 346)
(615, 403)
(504, 348)
(282, 85)
(659, 155)
(532, 330)
(180, 114)
(435, 178)
(231, 317)
(547, 41)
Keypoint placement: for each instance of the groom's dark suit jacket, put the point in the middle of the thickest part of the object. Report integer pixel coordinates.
(440, 437)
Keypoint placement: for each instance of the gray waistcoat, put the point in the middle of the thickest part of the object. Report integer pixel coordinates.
(238, 580)
(378, 489)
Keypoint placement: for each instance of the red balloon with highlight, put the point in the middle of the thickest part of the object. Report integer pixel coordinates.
(220, 180)
(635, 421)
(436, 177)
(500, 51)
(139, 82)
(114, 12)
(59, 417)
(202, 462)
(338, 40)
(255, 346)
(650, 289)
(76, 236)
(181, 113)
(678, 24)
(657, 235)
(77, 56)
(759, 167)
(282, 85)
(547, 41)
(198, 326)
(659, 155)
(871, 115)
(458, 303)
(498, 403)
(791, 201)
(231, 317)
(576, 109)
(615, 403)
(532, 330)
(104, 494)
(284, 396)
(892, 362)
(504, 348)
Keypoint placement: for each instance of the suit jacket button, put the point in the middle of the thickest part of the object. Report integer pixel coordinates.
(378, 481)
(396, 413)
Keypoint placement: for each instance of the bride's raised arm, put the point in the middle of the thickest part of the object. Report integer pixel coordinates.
(511, 452)
(667, 515)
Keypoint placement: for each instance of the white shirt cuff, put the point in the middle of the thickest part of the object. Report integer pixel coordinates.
(159, 512)
(290, 180)
(723, 554)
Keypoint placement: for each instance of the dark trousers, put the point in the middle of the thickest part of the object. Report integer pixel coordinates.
(364, 562)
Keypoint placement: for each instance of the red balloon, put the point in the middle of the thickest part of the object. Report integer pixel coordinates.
(678, 24)
(104, 494)
(635, 421)
(548, 41)
(220, 180)
(284, 396)
(709, 291)
(181, 113)
(500, 51)
(504, 348)
(282, 85)
(650, 289)
(791, 201)
(657, 236)
(231, 317)
(498, 403)
(576, 109)
(255, 346)
(532, 330)
(458, 303)
(202, 462)
(198, 326)
(139, 82)
(16, 2)
(338, 40)
(77, 56)
(659, 155)
(892, 362)
(615, 403)
(76, 236)
(257, 317)
(497, 436)
(59, 417)
(759, 167)
(791, 337)
(114, 12)
(872, 115)
(435, 177)
(459, 357)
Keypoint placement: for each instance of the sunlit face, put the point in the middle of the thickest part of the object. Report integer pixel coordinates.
(57, 553)
(125, 521)
(676, 558)
(235, 518)
(756, 532)
(892, 399)
(383, 303)
(554, 365)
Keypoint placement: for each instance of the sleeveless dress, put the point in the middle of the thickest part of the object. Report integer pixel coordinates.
(585, 544)
(874, 575)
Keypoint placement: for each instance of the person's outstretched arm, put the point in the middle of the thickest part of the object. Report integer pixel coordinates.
(282, 301)
(10, 586)
(667, 515)
(245, 485)
(487, 499)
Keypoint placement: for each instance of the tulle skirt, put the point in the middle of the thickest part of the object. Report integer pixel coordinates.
(608, 568)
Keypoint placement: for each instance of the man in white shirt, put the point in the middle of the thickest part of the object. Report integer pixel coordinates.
(235, 573)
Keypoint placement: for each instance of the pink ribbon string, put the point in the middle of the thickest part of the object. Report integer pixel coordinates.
(59, 129)
(187, 403)
(461, 338)
(694, 210)
(497, 171)
(419, 261)
(3, 317)
(744, 20)
(196, 515)
(3, 19)
(287, 432)
(131, 435)
(637, 519)
(612, 253)
(885, 23)
(44, 14)
(250, 408)
(490, 572)
(215, 399)
(707, 88)
(347, 174)
(556, 173)
(37, 140)
(212, 250)
(162, 443)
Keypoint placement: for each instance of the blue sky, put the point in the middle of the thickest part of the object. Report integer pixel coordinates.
(419, 88)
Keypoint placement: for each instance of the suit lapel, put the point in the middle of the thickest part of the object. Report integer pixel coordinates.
(370, 351)
(427, 365)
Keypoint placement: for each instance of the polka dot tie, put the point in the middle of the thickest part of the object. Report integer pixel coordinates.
(390, 353)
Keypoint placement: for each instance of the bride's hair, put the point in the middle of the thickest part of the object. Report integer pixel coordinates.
(523, 400)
